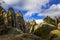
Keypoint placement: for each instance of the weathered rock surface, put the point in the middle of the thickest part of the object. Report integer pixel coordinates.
(44, 30)
(11, 23)
(11, 17)
(20, 21)
(55, 35)
(59, 26)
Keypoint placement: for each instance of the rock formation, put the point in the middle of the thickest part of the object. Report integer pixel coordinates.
(44, 30)
(55, 35)
(32, 23)
(10, 19)
(20, 21)
(27, 26)
(2, 15)
(59, 26)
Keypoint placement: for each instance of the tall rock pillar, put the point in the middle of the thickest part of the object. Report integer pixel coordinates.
(20, 21)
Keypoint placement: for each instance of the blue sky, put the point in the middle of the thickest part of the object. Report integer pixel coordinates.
(34, 9)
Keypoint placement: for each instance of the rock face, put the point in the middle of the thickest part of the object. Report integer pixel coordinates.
(20, 21)
(11, 19)
(3, 21)
(2, 16)
(15, 20)
(55, 35)
(59, 26)
(28, 26)
(32, 23)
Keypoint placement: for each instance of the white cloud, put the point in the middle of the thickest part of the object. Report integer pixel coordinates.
(33, 6)
(10, 2)
(39, 21)
(53, 11)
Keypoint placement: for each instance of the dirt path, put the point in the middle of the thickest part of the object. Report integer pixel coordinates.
(6, 37)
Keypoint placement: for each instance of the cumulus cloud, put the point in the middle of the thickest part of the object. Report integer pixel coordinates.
(10, 2)
(39, 21)
(33, 6)
(53, 11)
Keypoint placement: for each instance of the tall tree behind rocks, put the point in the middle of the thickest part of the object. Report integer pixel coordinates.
(11, 17)
(49, 20)
(20, 21)
(54, 21)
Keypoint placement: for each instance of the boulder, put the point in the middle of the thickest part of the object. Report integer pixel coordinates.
(44, 29)
(59, 26)
(55, 35)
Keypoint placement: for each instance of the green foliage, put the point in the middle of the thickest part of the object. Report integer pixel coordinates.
(49, 20)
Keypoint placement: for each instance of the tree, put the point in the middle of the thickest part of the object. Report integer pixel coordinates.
(49, 20)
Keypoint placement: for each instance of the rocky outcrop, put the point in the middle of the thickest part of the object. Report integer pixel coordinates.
(43, 30)
(55, 35)
(20, 21)
(11, 17)
(11, 20)
(2, 16)
(27, 26)
(59, 26)
(32, 23)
